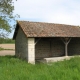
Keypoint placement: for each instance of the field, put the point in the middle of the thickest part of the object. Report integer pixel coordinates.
(7, 49)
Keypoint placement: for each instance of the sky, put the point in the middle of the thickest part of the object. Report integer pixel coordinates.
(51, 11)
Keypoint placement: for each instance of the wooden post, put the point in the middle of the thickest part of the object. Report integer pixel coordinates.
(66, 42)
(66, 49)
(50, 50)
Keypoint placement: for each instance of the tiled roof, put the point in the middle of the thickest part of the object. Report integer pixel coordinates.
(40, 29)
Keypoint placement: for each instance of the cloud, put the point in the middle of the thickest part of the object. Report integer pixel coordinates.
(56, 11)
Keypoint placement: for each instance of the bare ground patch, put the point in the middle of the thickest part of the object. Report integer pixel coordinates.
(8, 50)
(7, 46)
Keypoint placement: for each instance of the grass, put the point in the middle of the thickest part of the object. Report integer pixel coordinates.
(12, 68)
(4, 49)
(1, 48)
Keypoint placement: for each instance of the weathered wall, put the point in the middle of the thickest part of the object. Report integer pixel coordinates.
(49, 47)
(21, 47)
(42, 48)
(57, 47)
(74, 46)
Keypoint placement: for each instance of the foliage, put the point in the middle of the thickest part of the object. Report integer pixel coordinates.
(6, 16)
(1, 48)
(11, 68)
(6, 41)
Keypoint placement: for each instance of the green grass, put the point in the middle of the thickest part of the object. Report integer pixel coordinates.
(1, 48)
(12, 68)
(4, 49)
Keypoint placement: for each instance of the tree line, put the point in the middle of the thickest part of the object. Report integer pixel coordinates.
(6, 41)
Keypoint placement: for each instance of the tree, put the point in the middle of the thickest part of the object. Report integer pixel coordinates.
(6, 15)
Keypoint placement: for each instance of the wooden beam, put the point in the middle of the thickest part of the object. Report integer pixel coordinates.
(37, 41)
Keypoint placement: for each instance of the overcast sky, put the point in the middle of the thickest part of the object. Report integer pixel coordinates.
(52, 11)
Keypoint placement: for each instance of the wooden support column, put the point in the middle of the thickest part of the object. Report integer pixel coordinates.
(50, 55)
(66, 42)
(66, 49)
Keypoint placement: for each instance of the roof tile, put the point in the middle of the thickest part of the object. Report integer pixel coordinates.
(40, 29)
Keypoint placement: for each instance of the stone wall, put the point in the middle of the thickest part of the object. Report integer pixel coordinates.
(49, 47)
(42, 48)
(25, 47)
(21, 47)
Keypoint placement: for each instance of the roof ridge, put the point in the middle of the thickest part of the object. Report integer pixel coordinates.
(48, 23)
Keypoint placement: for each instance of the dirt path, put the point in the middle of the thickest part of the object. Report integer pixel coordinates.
(8, 46)
(7, 52)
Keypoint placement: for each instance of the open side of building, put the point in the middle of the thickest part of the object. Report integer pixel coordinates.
(37, 40)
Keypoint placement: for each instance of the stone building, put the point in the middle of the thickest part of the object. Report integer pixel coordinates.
(38, 40)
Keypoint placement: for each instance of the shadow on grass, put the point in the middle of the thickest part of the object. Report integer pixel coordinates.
(10, 56)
